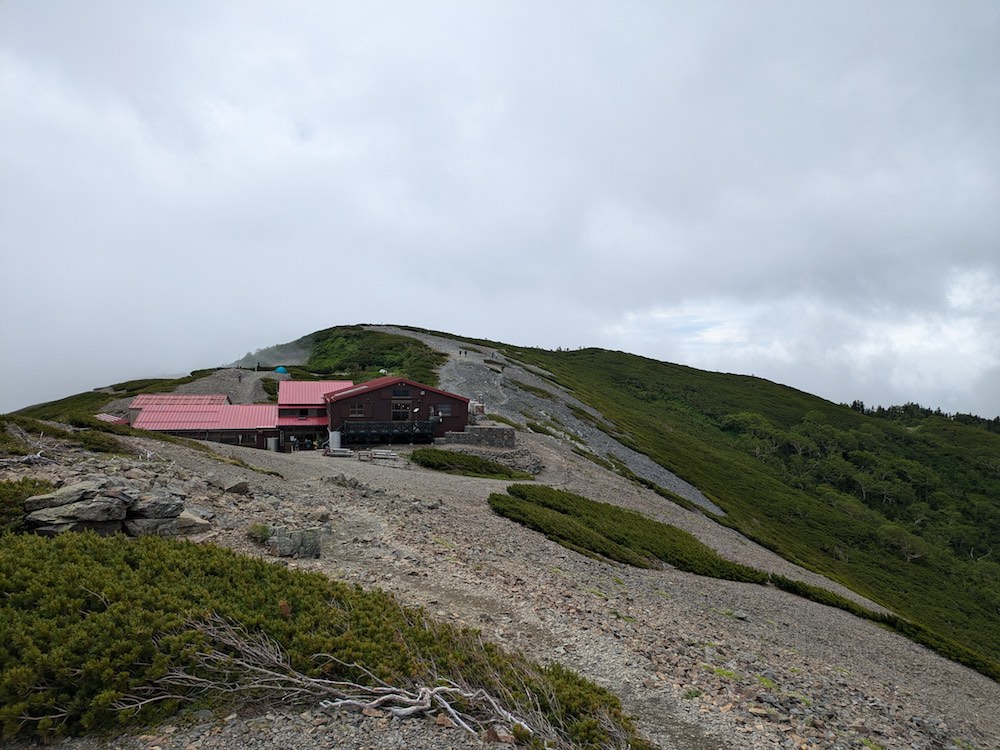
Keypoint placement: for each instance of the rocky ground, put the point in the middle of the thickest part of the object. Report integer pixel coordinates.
(702, 663)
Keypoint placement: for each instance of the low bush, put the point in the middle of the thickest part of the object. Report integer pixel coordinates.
(643, 539)
(259, 532)
(504, 420)
(452, 462)
(565, 530)
(540, 429)
(93, 437)
(87, 623)
(12, 497)
(270, 386)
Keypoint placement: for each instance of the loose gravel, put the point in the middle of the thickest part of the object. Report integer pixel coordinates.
(701, 663)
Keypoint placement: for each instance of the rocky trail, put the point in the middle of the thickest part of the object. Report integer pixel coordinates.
(701, 663)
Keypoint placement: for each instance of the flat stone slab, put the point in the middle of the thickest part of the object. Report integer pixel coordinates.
(64, 495)
(100, 508)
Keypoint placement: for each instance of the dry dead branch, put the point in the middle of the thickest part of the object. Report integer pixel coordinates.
(254, 666)
(29, 460)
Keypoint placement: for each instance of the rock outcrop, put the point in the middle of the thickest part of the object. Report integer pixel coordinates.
(108, 506)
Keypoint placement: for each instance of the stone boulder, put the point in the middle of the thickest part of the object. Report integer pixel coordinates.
(65, 495)
(239, 488)
(110, 507)
(100, 508)
(301, 543)
(157, 504)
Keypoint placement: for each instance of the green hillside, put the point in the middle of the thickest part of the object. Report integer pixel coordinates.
(903, 508)
(904, 516)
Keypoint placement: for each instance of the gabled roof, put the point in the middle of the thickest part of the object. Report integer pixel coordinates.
(144, 400)
(208, 417)
(308, 392)
(387, 382)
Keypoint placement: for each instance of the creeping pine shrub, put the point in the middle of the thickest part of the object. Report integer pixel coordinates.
(462, 463)
(615, 533)
(88, 620)
(12, 497)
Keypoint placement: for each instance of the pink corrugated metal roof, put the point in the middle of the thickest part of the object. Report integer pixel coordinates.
(178, 417)
(208, 417)
(386, 382)
(308, 392)
(144, 400)
(248, 416)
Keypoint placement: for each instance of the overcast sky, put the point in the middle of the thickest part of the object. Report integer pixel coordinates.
(804, 191)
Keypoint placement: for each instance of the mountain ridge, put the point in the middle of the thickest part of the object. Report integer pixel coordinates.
(513, 380)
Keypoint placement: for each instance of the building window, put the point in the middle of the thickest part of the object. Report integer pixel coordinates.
(443, 409)
(356, 410)
(400, 392)
(400, 411)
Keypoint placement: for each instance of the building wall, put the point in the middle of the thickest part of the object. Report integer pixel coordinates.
(401, 403)
(245, 438)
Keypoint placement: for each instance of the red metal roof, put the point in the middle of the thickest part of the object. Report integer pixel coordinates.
(386, 382)
(308, 392)
(144, 400)
(178, 417)
(248, 417)
(208, 417)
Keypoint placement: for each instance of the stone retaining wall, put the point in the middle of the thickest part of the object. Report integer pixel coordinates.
(493, 437)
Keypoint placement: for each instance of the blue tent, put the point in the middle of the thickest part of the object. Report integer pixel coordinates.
(280, 369)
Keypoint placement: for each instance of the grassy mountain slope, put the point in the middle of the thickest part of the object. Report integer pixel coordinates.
(350, 351)
(897, 515)
(907, 515)
(356, 352)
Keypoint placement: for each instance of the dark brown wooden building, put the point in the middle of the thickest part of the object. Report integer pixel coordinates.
(394, 410)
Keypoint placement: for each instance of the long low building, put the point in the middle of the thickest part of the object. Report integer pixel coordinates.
(308, 413)
(252, 425)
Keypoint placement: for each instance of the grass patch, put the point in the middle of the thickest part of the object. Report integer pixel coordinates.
(270, 386)
(259, 532)
(464, 464)
(88, 620)
(534, 390)
(504, 420)
(540, 429)
(362, 353)
(614, 533)
(92, 434)
(722, 672)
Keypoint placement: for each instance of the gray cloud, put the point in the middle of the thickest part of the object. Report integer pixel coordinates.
(806, 192)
